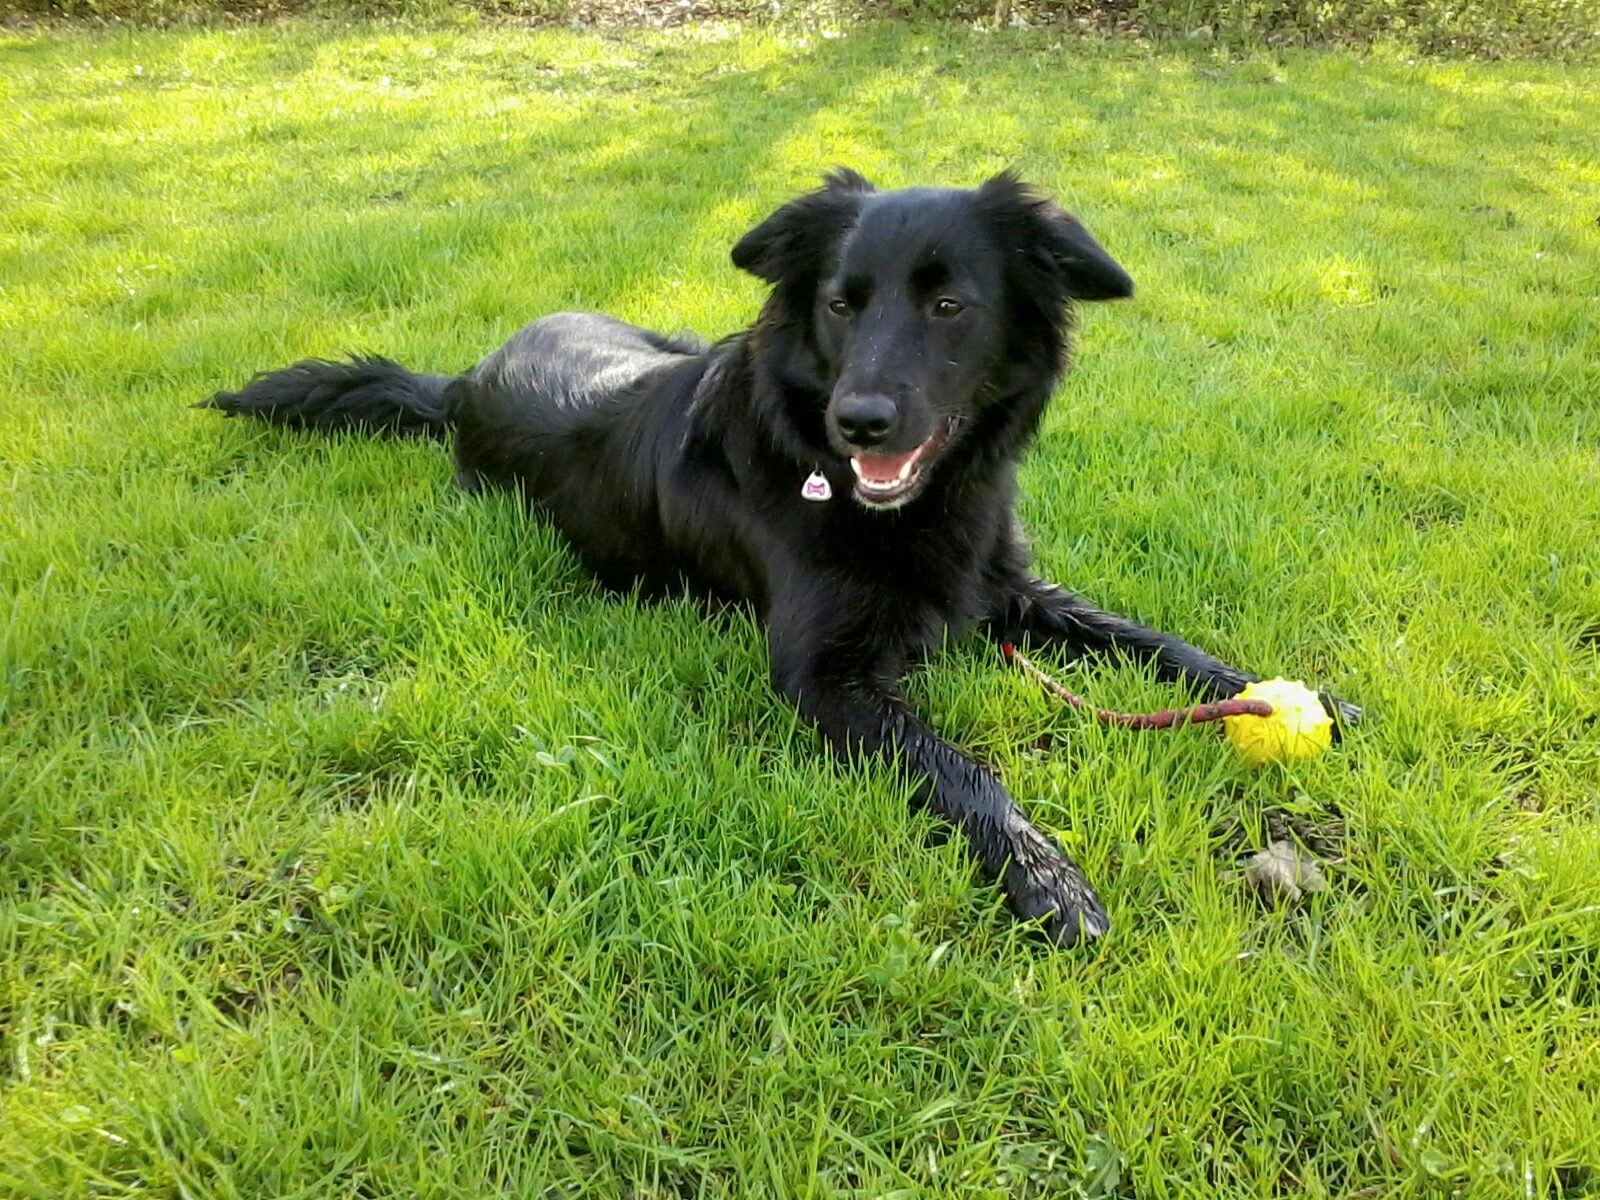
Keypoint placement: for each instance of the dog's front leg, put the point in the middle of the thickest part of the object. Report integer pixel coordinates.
(1034, 610)
(859, 716)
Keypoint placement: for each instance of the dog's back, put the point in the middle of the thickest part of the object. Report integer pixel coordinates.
(574, 361)
(583, 414)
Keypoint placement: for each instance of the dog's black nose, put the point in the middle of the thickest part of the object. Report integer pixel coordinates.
(865, 419)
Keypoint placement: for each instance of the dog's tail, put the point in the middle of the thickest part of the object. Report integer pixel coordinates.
(367, 393)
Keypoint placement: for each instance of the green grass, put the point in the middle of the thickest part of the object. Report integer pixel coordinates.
(355, 845)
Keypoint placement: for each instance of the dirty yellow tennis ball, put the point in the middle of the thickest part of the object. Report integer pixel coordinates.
(1298, 728)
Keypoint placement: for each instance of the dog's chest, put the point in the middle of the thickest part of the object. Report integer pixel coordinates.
(913, 584)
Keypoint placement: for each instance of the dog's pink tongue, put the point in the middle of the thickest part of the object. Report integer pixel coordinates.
(883, 468)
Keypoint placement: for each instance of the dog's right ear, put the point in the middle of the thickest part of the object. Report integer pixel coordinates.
(792, 243)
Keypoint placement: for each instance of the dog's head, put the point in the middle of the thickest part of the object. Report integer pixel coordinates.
(909, 323)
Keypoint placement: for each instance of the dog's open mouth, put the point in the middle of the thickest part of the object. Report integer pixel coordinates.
(889, 480)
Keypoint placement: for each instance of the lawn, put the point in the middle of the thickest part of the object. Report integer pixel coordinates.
(354, 844)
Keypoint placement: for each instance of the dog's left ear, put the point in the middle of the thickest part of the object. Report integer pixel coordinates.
(1054, 243)
(791, 244)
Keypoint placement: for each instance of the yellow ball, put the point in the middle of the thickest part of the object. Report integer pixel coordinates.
(1298, 728)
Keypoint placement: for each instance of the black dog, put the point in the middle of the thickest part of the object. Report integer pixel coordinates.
(847, 465)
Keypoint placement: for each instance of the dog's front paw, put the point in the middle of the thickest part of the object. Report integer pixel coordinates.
(1344, 713)
(1043, 885)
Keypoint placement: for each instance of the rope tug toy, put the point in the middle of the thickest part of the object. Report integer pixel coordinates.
(1272, 720)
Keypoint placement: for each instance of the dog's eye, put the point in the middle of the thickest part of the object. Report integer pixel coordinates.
(946, 307)
(839, 306)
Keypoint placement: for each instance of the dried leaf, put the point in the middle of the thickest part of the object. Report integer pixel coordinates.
(1282, 873)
